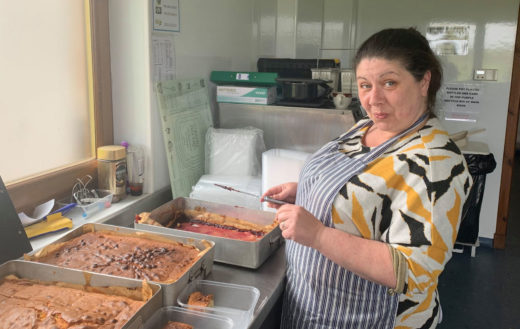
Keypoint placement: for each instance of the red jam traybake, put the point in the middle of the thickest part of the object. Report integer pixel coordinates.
(198, 220)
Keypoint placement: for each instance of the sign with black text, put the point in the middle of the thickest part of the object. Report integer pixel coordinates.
(461, 101)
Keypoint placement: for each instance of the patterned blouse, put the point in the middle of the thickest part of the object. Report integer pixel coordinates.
(411, 197)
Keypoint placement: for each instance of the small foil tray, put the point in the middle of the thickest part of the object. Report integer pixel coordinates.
(229, 251)
(51, 273)
(200, 269)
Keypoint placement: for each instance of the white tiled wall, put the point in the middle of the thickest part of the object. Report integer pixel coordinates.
(232, 34)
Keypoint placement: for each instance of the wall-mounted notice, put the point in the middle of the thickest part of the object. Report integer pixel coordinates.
(163, 58)
(461, 101)
(448, 39)
(166, 15)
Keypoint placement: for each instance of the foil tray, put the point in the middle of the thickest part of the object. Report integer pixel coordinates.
(200, 269)
(50, 273)
(228, 251)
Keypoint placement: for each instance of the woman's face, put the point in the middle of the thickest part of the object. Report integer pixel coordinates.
(392, 97)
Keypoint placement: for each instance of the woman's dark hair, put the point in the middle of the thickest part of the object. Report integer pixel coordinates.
(410, 48)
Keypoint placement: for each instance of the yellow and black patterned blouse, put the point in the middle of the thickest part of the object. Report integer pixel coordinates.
(411, 197)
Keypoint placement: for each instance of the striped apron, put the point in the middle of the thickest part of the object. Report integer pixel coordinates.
(319, 293)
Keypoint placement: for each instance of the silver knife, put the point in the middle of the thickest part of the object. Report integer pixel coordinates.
(266, 198)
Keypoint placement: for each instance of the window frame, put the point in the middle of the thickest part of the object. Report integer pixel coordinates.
(57, 184)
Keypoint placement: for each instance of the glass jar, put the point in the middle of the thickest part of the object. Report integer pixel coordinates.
(111, 169)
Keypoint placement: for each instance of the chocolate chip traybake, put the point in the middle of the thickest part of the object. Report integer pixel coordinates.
(37, 305)
(124, 255)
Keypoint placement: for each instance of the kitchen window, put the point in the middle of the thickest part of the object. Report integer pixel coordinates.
(56, 95)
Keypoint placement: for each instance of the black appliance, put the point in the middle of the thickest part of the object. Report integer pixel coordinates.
(303, 92)
(13, 240)
(295, 84)
(294, 68)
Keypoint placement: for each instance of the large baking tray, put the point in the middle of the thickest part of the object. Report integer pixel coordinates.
(229, 251)
(51, 273)
(199, 269)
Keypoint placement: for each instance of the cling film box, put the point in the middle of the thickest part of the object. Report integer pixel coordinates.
(246, 95)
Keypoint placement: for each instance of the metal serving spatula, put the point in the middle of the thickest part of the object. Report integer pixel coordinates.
(268, 199)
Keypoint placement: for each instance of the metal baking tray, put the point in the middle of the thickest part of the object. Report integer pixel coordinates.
(200, 269)
(229, 251)
(51, 273)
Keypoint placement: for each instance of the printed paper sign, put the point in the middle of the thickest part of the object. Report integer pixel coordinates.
(461, 101)
(163, 58)
(449, 39)
(166, 15)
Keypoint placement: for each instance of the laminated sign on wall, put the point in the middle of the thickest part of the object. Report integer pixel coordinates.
(461, 101)
(166, 15)
(449, 39)
(185, 118)
(163, 59)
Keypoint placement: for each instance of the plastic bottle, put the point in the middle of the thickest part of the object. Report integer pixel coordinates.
(135, 166)
(125, 144)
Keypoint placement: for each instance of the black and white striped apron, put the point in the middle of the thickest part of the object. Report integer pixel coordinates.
(319, 293)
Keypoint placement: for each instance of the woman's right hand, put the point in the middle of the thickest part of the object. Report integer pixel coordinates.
(285, 192)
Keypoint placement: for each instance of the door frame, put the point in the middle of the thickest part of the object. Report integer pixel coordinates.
(499, 240)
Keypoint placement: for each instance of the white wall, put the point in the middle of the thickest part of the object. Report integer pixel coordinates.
(493, 46)
(214, 35)
(232, 34)
(347, 23)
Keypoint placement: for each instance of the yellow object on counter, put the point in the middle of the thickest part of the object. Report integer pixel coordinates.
(53, 223)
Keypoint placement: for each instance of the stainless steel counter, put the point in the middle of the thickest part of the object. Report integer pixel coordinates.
(269, 279)
(294, 128)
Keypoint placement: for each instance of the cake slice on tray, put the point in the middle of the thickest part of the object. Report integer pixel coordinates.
(197, 298)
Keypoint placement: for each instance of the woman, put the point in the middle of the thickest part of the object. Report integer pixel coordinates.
(376, 211)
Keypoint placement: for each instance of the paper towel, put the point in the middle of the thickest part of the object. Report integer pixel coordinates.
(281, 166)
(234, 152)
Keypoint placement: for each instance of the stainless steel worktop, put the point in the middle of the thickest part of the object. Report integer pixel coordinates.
(294, 128)
(268, 278)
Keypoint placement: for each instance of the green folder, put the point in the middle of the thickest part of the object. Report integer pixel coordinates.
(244, 78)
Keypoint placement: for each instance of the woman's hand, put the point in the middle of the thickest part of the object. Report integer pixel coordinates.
(285, 192)
(299, 225)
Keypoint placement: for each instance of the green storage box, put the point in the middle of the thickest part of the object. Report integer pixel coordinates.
(264, 79)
